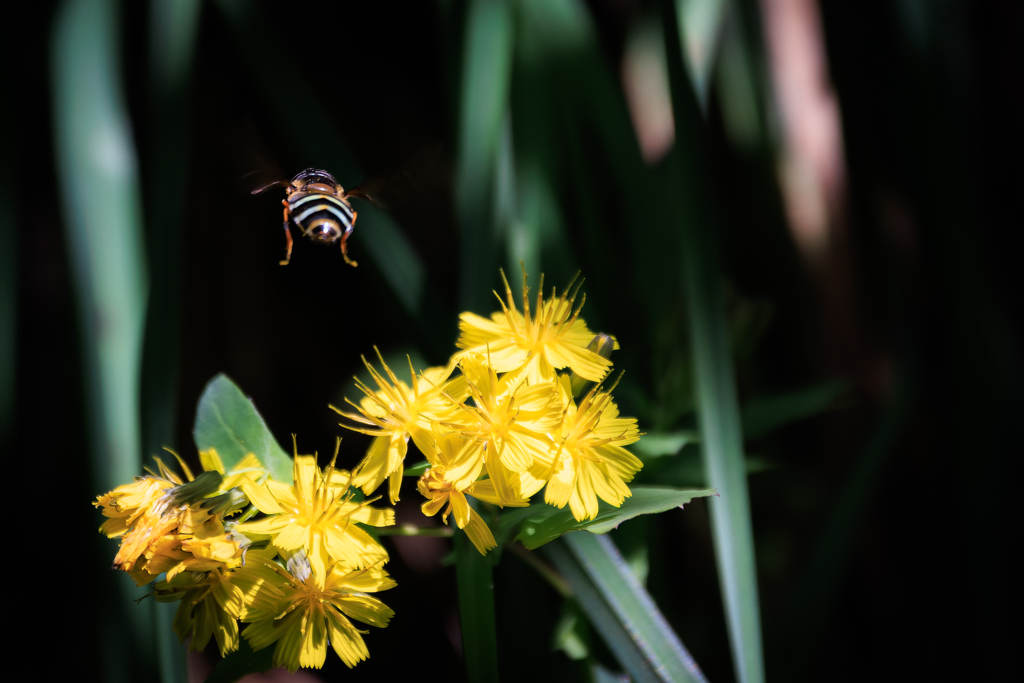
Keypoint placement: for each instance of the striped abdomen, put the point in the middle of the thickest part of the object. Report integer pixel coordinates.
(321, 217)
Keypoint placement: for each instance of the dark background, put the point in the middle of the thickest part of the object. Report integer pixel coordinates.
(882, 525)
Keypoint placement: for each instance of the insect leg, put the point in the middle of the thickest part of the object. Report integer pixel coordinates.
(287, 235)
(344, 250)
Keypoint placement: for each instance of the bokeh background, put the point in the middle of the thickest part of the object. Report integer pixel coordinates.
(845, 173)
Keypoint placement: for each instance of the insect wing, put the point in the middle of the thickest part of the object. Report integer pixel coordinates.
(420, 176)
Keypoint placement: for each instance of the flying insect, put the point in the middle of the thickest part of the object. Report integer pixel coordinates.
(318, 206)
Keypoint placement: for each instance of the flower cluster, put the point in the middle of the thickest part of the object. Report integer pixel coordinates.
(506, 417)
(297, 576)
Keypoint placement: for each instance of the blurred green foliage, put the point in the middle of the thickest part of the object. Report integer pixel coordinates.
(849, 392)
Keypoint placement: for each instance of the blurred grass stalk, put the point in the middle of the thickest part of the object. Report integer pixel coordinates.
(718, 408)
(173, 29)
(484, 151)
(97, 168)
(483, 117)
(621, 610)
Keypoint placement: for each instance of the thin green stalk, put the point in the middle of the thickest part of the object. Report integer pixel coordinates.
(476, 611)
(718, 408)
(173, 28)
(410, 530)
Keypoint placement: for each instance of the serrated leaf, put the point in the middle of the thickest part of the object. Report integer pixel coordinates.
(241, 663)
(547, 523)
(228, 421)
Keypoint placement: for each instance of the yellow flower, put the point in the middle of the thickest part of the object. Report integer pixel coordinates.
(509, 423)
(127, 503)
(395, 413)
(451, 453)
(316, 513)
(590, 461)
(143, 512)
(303, 612)
(201, 542)
(210, 605)
(248, 467)
(552, 338)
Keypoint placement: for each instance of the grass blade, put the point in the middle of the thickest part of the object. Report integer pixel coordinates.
(483, 111)
(701, 22)
(718, 408)
(621, 610)
(173, 30)
(97, 173)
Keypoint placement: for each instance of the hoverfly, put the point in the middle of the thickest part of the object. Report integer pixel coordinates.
(318, 206)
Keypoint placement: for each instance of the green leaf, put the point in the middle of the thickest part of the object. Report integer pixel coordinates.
(227, 421)
(416, 470)
(764, 415)
(547, 523)
(621, 610)
(241, 663)
(658, 444)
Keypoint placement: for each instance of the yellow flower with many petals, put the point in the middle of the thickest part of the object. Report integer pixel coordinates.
(435, 485)
(590, 461)
(538, 342)
(202, 542)
(317, 514)
(144, 512)
(211, 604)
(396, 412)
(303, 612)
(127, 503)
(509, 423)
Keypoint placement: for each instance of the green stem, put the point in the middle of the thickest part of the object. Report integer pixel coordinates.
(476, 612)
(546, 571)
(411, 530)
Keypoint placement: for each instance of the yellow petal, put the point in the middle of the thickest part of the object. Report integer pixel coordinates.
(461, 509)
(305, 473)
(345, 639)
(260, 496)
(365, 609)
(480, 534)
(211, 461)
